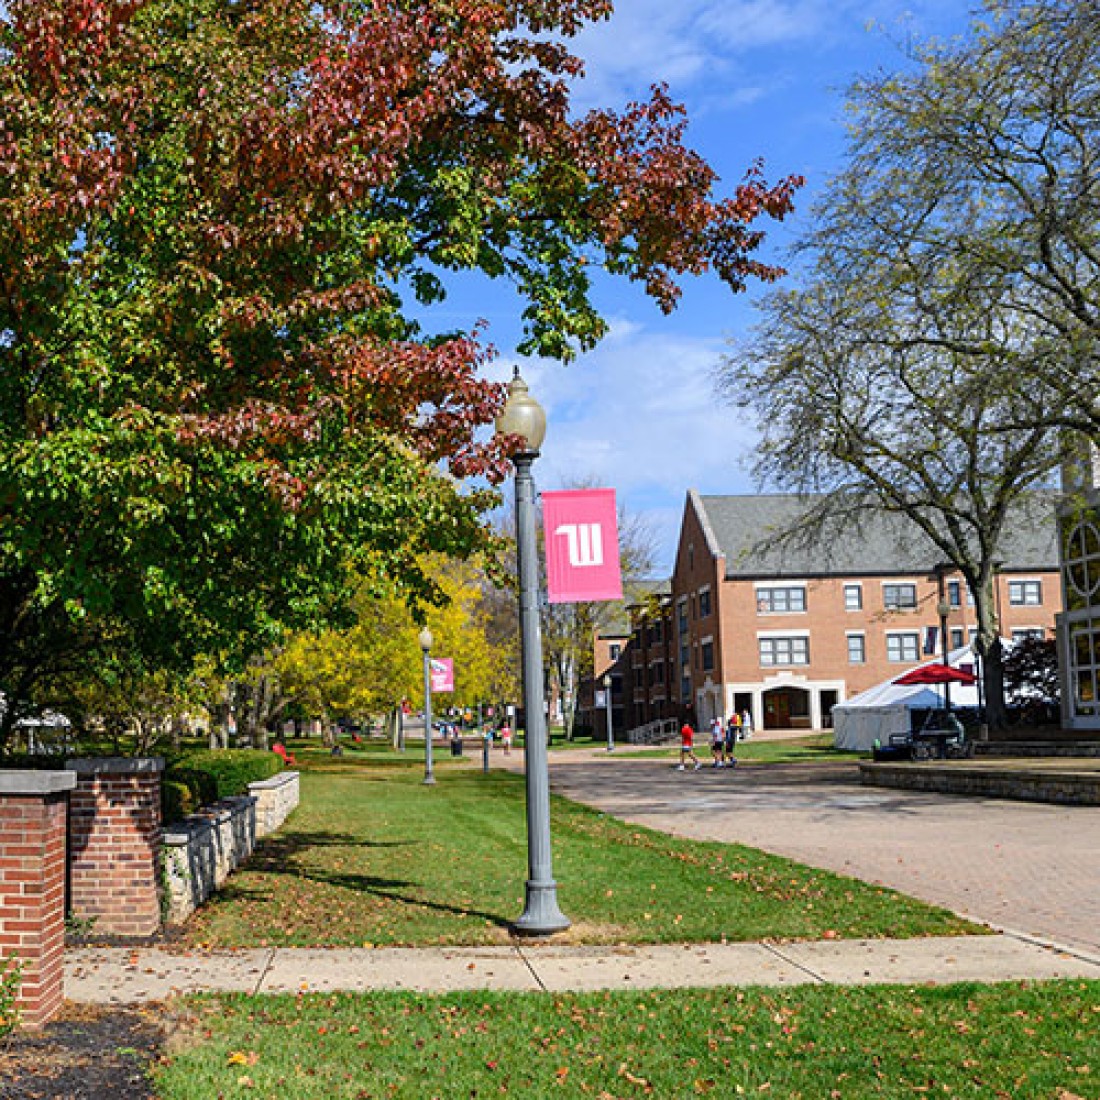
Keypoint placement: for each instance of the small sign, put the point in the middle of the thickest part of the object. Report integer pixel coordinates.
(442, 673)
(601, 697)
(582, 546)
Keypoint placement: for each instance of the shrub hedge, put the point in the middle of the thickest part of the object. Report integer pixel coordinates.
(25, 761)
(199, 778)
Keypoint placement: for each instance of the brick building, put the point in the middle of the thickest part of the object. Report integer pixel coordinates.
(786, 630)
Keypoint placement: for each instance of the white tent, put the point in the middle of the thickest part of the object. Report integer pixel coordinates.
(877, 713)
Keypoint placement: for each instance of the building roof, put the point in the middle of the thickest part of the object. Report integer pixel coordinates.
(745, 530)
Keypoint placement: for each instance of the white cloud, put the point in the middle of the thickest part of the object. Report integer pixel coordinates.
(709, 47)
(687, 42)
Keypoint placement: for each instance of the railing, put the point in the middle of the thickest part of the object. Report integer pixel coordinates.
(653, 733)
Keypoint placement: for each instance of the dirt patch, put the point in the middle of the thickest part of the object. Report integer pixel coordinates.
(86, 1053)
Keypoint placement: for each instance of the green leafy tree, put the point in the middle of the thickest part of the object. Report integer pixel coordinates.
(217, 416)
(123, 704)
(1031, 676)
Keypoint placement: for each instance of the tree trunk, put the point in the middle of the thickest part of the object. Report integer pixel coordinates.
(328, 735)
(987, 646)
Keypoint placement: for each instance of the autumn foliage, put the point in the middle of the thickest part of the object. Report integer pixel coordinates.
(215, 217)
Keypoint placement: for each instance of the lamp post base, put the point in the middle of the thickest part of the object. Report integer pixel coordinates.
(541, 915)
(429, 781)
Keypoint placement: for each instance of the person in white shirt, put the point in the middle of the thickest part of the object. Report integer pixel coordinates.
(717, 743)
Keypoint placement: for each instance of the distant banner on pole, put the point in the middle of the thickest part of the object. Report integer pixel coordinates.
(582, 546)
(443, 673)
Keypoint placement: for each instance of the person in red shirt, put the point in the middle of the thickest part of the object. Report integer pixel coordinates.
(687, 747)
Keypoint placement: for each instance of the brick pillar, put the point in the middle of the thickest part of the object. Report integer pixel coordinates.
(114, 845)
(33, 810)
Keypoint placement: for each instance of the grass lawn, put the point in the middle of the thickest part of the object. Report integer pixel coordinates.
(372, 856)
(1018, 1041)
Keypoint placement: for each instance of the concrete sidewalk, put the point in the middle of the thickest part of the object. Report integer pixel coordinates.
(130, 976)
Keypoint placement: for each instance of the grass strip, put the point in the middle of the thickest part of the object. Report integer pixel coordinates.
(1018, 1041)
(374, 857)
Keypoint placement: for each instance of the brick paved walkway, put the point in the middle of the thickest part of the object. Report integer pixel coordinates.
(1026, 867)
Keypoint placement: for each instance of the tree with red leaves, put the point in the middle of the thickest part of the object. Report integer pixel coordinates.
(216, 409)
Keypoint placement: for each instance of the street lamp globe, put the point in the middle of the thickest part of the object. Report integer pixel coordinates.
(425, 639)
(522, 415)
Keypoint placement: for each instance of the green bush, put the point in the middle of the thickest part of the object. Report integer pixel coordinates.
(10, 973)
(25, 761)
(199, 778)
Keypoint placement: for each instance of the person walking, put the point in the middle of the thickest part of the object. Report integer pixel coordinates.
(746, 725)
(717, 743)
(733, 731)
(506, 738)
(687, 747)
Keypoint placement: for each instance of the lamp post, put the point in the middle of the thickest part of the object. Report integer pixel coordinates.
(943, 609)
(523, 416)
(607, 704)
(425, 639)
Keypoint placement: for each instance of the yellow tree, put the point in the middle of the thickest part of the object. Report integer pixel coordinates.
(370, 667)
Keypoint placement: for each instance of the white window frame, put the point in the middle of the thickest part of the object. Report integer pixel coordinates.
(899, 606)
(1025, 586)
(857, 588)
(899, 636)
(857, 636)
(773, 636)
(765, 590)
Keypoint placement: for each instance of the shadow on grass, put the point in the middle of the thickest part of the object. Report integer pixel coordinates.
(275, 852)
(381, 888)
(279, 856)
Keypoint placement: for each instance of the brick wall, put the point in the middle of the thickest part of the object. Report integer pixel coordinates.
(115, 845)
(33, 808)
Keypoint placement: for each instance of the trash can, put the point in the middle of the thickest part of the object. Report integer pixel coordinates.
(456, 746)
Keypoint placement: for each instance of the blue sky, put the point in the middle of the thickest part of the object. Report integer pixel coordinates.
(760, 78)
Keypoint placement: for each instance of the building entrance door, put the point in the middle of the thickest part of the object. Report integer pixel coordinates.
(786, 708)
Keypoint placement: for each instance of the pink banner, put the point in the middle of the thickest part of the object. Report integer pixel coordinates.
(443, 673)
(582, 546)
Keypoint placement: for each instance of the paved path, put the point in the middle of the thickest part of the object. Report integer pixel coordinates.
(126, 976)
(1027, 867)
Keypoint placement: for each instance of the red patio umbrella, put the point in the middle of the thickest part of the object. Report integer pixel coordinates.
(936, 674)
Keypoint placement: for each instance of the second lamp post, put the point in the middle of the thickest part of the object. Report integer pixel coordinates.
(425, 639)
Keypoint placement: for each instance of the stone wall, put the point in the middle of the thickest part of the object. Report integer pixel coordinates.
(275, 799)
(201, 852)
(1061, 786)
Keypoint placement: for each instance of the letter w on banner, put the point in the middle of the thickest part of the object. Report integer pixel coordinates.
(582, 546)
